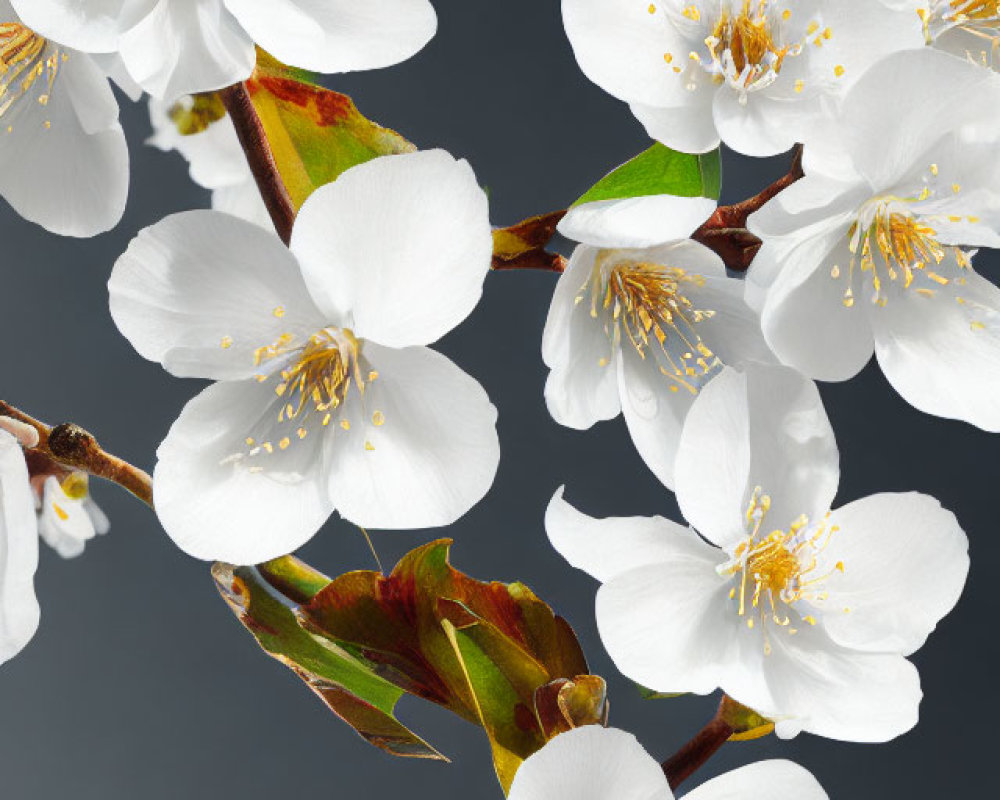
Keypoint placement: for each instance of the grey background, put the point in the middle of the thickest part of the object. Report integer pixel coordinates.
(140, 683)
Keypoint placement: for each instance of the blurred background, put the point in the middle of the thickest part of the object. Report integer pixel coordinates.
(141, 683)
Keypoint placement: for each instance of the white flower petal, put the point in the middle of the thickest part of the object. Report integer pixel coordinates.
(838, 693)
(422, 448)
(669, 626)
(64, 522)
(401, 243)
(181, 48)
(582, 388)
(201, 291)
(221, 497)
(636, 221)
(765, 780)
(761, 126)
(764, 427)
(64, 163)
(942, 352)
(92, 26)
(243, 200)
(607, 548)
(18, 551)
(688, 128)
(338, 35)
(591, 763)
(905, 563)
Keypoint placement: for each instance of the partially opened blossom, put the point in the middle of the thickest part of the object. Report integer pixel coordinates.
(802, 613)
(969, 29)
(640, 331)
(18, 551)
(327, 397)
(68, 517)
(869, 252)
(755, 74)
(597, 763)
(215, 157)
(176, 47)
(63, 158)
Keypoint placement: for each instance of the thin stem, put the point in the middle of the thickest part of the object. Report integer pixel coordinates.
(692, 756)
(253, 139)
(71, 447)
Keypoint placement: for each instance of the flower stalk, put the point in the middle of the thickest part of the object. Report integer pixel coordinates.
(693, 755)
(253, 139)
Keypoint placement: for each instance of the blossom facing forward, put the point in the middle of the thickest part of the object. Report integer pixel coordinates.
(799, 612)
(640, 331)
(177, 47)
(597, 763)
(869, 252)
(63, 158)
(755, 74)
(327, 397)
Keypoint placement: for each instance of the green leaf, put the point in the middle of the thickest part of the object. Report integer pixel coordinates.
(493, 653)
(660, 170)
(652, 694)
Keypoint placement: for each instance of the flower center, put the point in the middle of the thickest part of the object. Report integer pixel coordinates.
(779, 569)
(646, 305)
(26, 59)
(979, 18)
(742, 46)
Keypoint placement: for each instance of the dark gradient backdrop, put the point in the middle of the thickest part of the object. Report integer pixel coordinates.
(140, 683)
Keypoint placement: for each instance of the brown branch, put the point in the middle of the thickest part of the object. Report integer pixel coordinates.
(692, 756)
(522, 246)
(69, 446)
(253, 139)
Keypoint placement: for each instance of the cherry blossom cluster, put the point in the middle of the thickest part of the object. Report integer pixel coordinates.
(326, 395)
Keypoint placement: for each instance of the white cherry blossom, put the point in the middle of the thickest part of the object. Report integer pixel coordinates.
(63, 157)
(18, 551)
(640, 331)
(177, 47)
(868, 252)
(597, 763)
(68, 517)
(216, 160)
(969, 29)
(755, 74)
(326, 397)
(802, 613)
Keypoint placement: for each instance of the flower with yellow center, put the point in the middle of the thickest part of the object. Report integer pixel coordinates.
(68, 517)
(327, 397)
(63, 157)
(755, 74)
(969, 29)
(803, 613)
(872, 250)
(177, 47)
(642, 331)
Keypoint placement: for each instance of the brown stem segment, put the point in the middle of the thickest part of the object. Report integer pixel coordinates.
(253, 139)
(71, 447)
(686, 761)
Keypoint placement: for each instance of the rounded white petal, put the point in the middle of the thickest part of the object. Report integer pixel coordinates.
(591, 763)
(18, 551)
(765, 427)
(905, 560)
(338, 35)
(582, 388)
(669, 627)
(201, 291)
(422, 448)
(607, 548)
(620, 46)
(64, 163)
(243, 200)
(762, 126)
(765, 780)
(636, 221)
(689, 128)
(92, 26)
(219, 497)
(941, 352)
(401, 244)
(838, 693)
(186, 47)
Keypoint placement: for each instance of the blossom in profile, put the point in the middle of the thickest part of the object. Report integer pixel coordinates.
(872, 251)
(803, 613)
(326, 395)
(177, 47)
(63, 158)
(598, 763)
(755, 74)
(68, 517)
